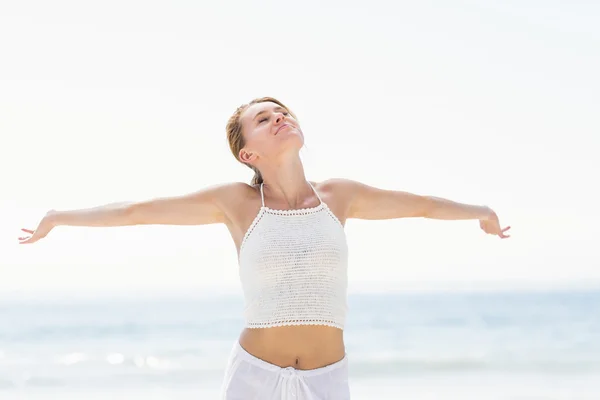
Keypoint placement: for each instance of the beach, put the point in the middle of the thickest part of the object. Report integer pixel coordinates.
(455, 345)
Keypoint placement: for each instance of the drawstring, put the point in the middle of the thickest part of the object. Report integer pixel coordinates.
(291, 383)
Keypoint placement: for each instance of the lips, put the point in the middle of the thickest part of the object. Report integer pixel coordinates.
(280, 128)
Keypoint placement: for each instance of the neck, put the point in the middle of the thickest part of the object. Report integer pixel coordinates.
(285, 181)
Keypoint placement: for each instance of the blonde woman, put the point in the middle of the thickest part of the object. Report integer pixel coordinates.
(292, 252)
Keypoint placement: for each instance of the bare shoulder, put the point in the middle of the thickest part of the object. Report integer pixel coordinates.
(224, 198)
(341, 188)
(233, 188)
(338, 193)
(237, 202)
(232, 193)
(218, 193)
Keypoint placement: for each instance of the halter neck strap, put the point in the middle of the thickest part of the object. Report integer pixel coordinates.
(316, 194)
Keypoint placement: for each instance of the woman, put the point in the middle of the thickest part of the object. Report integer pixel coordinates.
(292, 252)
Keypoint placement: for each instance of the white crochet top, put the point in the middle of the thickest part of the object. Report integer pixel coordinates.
(293, 268)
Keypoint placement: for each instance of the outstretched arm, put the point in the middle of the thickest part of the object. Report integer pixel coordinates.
(367, 202)
(202, 207)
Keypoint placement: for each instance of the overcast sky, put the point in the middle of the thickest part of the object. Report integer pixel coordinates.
(482, 102)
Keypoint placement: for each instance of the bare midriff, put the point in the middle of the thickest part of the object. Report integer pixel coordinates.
(303, 347)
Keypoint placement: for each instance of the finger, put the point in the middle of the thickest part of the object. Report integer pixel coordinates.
(27, 230)
(505, 229)
(30, 239)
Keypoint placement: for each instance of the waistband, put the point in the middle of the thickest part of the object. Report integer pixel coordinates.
(243, 354)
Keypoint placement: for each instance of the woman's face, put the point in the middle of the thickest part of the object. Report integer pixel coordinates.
(269, 130)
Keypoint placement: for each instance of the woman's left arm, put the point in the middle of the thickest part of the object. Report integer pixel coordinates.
(367, 202)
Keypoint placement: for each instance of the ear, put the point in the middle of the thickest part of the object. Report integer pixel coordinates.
(246, 156)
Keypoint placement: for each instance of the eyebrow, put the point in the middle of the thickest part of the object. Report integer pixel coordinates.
(264, 111)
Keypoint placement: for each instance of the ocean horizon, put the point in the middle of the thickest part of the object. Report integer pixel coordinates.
(503, 344)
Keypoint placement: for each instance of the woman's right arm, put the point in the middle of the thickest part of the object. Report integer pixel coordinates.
(198, 208)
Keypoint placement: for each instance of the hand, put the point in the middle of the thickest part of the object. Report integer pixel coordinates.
(44, 227)
(491, 225)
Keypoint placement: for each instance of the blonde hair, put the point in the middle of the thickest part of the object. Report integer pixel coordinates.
(236, 138)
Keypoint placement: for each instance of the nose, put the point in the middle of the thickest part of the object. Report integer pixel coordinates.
(279, 117)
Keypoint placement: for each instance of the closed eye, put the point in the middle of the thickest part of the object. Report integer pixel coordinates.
(260, 121)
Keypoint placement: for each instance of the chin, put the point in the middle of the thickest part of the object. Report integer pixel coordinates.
(292, 135)
(297, 140)
(292, 143)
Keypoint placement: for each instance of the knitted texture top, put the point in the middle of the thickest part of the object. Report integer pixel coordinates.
(293, 267)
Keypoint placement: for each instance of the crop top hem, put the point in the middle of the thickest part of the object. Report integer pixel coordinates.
(254, 325)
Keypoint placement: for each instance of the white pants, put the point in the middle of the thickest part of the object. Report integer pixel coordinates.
(250, 378)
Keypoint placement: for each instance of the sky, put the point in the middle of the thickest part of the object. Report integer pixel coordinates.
(481, 102)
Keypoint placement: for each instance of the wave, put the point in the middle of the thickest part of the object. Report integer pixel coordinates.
(78, 366)
(458, 365)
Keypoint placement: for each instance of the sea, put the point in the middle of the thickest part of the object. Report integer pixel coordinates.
(434, 345)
